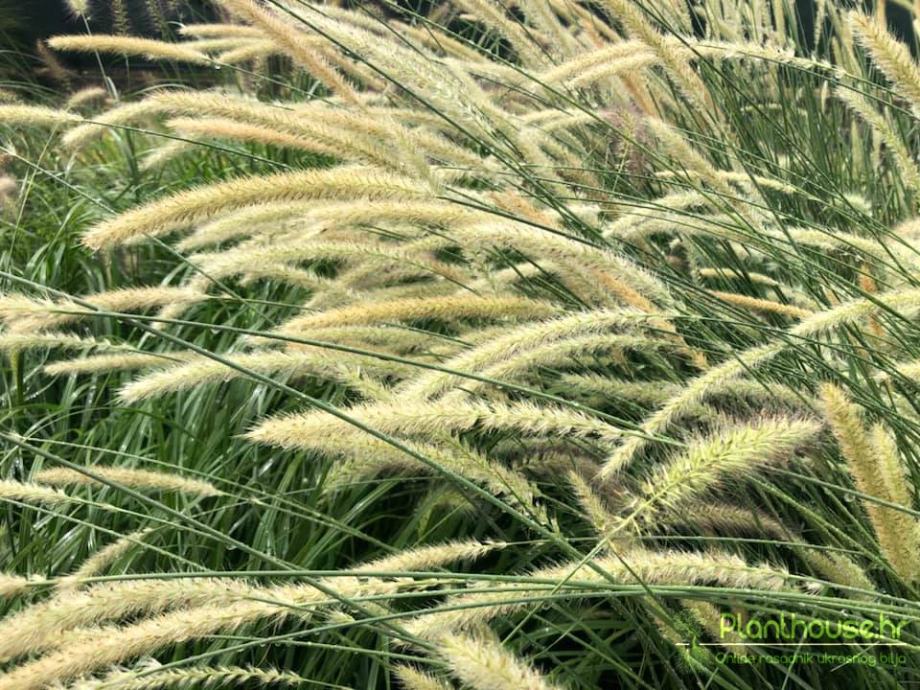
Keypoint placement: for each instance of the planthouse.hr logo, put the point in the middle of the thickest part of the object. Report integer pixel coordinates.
(790, 628)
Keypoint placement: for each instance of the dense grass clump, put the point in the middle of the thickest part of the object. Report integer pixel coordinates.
(467, 345)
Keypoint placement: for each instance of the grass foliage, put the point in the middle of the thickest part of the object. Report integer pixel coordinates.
(480, 345)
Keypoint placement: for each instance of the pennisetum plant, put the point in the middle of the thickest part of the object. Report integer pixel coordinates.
(471, 344)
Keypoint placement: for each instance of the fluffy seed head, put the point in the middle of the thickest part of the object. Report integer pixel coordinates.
(485, 665)
(139, 479)
(184, 208)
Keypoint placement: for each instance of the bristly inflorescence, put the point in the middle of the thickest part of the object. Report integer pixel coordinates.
(467, 343)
